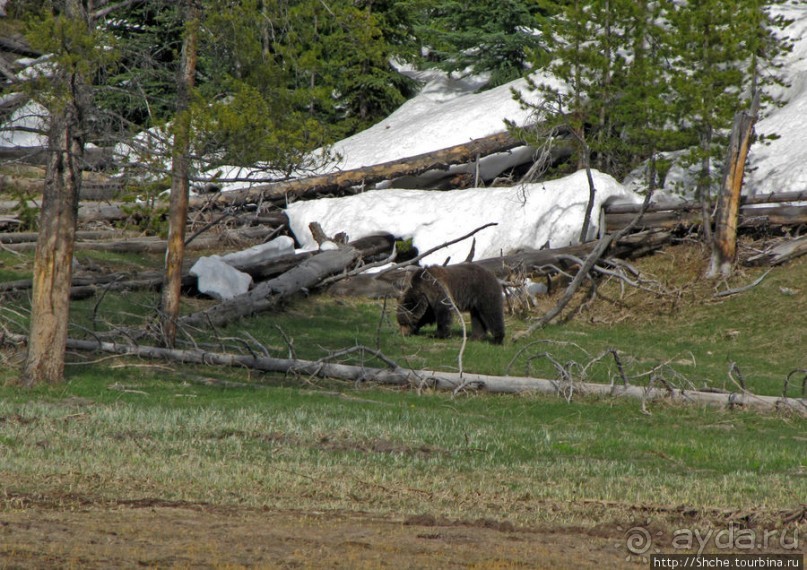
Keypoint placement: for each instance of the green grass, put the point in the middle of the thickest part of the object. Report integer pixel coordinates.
(127, 429)
(133, 435)
(14, 266)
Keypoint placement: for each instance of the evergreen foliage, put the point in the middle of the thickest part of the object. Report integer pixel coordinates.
(495, 37)
(141, 89)
(640, 77)
(278, 79)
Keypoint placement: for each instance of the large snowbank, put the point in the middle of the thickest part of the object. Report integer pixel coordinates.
(528, 216)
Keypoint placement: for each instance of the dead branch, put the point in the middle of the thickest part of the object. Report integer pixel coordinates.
(781, 253)
(803, 382)
(745, 288)
(601, 247)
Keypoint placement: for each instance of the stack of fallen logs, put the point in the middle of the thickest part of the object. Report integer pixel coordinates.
(280, 277)
(781, 216)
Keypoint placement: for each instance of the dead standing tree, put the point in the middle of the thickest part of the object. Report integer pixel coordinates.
(68, 103)
(180, 172)
(724, 241)
(78, 51)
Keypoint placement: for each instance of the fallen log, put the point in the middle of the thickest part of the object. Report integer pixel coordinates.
(16, 43)
(84, 286)
(87, 211)
(156, 244)
(547, 261)
(394, 375)
(537, 263)
(369, 247)
(111, 211)
(31, 237)
(268, 294)
(781, 253)
(95, 158)
(769, 210)
(7, 222)
(761, 216)
(282, 192)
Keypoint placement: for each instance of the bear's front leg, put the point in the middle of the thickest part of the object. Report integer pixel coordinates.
(444, 312)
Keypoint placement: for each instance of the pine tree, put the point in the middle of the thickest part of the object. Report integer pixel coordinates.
(286, 77)
(141, 88)
(643, 110)
(717, 48)
(495, 37)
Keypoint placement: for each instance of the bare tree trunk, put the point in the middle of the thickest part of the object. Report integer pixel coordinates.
(50, 300)
(592, 194)
(54, 254)
(178, 212)
(702, 190)
(724, 241)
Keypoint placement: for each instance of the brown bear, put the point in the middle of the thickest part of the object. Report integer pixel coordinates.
(472, 288)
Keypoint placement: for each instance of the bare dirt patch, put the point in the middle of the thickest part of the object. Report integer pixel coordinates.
(80, 532)
(199, 536)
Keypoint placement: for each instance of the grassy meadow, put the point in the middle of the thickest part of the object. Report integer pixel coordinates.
(123, 429)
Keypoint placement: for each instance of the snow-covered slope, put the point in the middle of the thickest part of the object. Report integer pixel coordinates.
(780, 165)
(445, 113)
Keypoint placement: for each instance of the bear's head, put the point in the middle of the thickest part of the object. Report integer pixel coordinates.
(413, 306)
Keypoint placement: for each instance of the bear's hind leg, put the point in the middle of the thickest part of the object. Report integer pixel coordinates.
(478, 328)
(487, 323)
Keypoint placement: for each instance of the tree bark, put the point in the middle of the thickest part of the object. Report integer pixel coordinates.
(50, 300)
(724, 241)
(180, 172)
(592, 193)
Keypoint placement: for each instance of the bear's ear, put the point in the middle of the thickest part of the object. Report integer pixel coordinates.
(415, 276)
(405, 283)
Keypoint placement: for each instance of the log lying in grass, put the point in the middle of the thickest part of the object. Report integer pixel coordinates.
(396, 376)
(31, 237)
(87, 211)
(9, 223)
(309, 273)
(268, 294)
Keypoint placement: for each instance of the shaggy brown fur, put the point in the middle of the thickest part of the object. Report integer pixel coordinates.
(429, 294)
